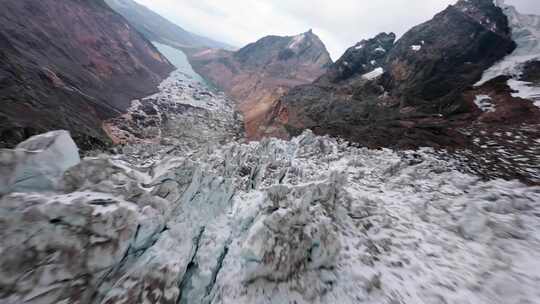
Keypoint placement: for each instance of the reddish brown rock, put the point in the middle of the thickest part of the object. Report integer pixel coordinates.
(258, 74)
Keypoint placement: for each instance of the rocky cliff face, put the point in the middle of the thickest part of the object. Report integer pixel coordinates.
(256, 75)
(413, 92)
(70, 64)
(156, 28)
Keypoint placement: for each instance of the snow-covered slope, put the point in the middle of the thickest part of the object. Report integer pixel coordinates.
(526, 34)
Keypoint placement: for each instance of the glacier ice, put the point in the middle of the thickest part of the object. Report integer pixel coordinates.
(37, 163)
(311, 220)
(526, 33)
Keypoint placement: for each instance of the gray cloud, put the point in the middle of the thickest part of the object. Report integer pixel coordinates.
(339, 23)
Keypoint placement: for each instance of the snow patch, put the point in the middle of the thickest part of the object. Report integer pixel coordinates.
(525, 90)
(373, 74)
(483, 102)
(380, 50)
(416, 48)
(526, 33)
(359, 47)
(296, 41)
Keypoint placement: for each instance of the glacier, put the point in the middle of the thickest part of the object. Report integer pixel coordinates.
(311, 220)
(37, 163)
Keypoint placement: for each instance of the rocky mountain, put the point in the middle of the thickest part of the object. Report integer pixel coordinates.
(417, 91)
(258, 74)
(70, 64)
(156, 28)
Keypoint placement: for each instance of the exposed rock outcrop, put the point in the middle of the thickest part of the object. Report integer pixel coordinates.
(258, 74)
(410, 93)
(185, 113)
(70, 65)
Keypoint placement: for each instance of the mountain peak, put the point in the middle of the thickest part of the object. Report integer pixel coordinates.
(366, 56)
(305, 47)
(486, 13)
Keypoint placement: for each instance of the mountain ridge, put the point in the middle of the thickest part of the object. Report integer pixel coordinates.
(262, 71)
(70, 65)
(158, 28)
(420, 95)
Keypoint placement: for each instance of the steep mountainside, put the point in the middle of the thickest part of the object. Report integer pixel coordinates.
(70, 64)
(156, 28)
(258, 74)
(521, 69)
(413, 92)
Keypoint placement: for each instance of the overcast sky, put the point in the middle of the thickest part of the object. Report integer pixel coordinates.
(339, 23)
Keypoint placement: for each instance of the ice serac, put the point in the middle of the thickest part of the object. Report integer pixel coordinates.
(407, 93)
(70, 65)
(259, 73)
(38, 163)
